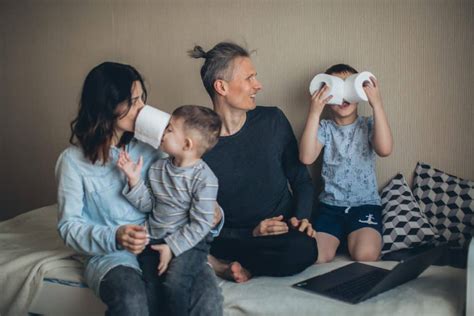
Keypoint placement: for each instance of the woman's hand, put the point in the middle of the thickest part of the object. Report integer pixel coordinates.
(303, 225)
(132, 238)
(271, 226)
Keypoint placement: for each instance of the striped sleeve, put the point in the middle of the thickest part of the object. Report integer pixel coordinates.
(139, 196)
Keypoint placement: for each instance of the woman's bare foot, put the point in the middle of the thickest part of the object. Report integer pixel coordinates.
(232, 271)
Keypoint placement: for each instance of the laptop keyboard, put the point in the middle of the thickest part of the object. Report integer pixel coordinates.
(358, 286)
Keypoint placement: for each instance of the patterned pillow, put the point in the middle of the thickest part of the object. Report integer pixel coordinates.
(447, 201)
(404, 226)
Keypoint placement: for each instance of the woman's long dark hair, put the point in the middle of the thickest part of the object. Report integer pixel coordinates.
(105, 87)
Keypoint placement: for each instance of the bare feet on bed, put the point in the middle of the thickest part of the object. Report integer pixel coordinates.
(237, 273)
(232, 271)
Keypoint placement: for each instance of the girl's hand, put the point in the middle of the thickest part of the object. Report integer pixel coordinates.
(318, 100)
(373, 92)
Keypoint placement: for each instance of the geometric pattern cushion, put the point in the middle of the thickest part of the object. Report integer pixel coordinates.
(448, 203)
(404, 226)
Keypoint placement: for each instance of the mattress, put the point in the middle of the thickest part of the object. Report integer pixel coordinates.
(38, 275)
(63, 292)
(440, 290)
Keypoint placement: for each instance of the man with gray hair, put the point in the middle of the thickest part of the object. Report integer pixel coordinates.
(266, 231)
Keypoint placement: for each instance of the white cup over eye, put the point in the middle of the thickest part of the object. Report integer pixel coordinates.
(150, 125)
(336, 87)
(350, 90)
(354, 87)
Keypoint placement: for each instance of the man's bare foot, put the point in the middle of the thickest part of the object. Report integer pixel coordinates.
(232, 271)
(237, 273)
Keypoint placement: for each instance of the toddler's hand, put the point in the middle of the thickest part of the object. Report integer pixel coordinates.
(318, 100)
(129, 168)
(165, 257)
(373, 92)
(217, 215)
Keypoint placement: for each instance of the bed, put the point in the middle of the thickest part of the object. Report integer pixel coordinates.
(40, 275)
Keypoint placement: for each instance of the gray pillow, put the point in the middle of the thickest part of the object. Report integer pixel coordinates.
(404, 226)
(447, 201)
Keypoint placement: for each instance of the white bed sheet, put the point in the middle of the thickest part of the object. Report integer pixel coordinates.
(60, 289)
(438, 291)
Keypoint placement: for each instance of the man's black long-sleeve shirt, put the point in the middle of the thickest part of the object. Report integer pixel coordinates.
(255, 166)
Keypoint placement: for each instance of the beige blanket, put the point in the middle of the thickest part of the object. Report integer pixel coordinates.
(29, 247)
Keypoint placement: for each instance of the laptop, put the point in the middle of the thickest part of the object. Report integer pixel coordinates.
(357, 282)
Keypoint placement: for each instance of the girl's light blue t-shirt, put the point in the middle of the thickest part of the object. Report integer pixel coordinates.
(348, 163)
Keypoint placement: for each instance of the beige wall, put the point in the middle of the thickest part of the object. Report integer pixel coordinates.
(421, 51)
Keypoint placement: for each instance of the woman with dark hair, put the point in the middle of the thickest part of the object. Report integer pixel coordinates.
(94, 217)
